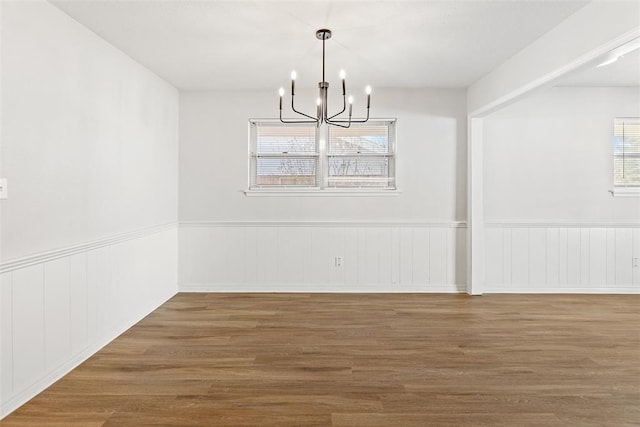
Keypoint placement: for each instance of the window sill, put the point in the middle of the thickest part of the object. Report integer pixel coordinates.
(316, 192)
(625, 192)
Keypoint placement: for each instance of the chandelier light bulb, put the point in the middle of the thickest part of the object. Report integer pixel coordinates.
(368, 90)
(281, 91)
(293, 83)
(350, 99)
(342, 74)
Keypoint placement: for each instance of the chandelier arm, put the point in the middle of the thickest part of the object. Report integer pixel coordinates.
(287, 121)
(344, 107)
(301, 113)
(332, 123)
(352, 121)
(349, 121)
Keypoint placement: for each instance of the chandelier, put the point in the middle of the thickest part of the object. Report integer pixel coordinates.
(322, 114)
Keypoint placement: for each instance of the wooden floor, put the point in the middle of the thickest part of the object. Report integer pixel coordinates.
(360, 360)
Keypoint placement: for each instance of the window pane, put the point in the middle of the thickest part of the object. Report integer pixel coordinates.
(359, 140)
(289, 139)
(286, 171)
(626, 152)
(360, 171)
(627, 172)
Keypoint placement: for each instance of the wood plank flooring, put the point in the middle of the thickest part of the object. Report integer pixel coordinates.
(360, 360)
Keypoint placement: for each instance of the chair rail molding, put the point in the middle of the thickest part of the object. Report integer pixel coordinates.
(17, 263)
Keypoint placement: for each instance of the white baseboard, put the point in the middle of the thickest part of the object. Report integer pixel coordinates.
(325, 224)
(560, 289)
(321, 288)
(43, 383)
(399, 288)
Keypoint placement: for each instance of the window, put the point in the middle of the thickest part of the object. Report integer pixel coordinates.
(305, 156)
(283, 156)
(626, 155)
(360, 157)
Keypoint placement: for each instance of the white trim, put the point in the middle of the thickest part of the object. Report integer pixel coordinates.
(276, 121)
(319, 192)
(19, 399)
(338, 224)
(17, 263)
(561, 224)
(321, 288)
(562, 289)
(475, 207)
(625, 192)
(294, 155)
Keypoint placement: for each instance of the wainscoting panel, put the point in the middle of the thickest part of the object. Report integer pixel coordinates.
(322, 257)
(57, 329)
(28, 326)
(59, 308)
(557, 258)
(78, 300)
(6, 336)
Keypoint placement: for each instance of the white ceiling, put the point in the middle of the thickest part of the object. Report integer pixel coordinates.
(199, 45)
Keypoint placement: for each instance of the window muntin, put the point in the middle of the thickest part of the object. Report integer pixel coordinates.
(626, 152)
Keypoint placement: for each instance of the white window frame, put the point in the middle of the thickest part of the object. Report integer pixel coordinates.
(623, 190)
(322, 172)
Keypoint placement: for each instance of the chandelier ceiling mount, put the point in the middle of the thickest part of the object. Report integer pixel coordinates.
(323, 34)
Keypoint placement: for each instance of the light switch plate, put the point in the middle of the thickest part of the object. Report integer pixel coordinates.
(3, 188)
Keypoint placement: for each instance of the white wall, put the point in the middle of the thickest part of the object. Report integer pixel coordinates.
(553, 226)
(548, 158)
(411, 241)
(89, 136)
(431, 160)
(88, 234)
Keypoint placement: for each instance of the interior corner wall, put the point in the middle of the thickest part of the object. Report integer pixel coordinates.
(410, 241)
(552, 224)
(88, 234)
